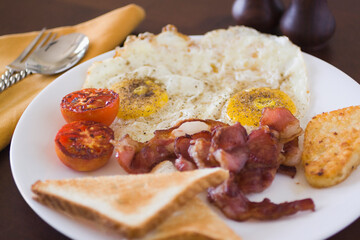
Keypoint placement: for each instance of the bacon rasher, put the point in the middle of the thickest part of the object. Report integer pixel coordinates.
(235, 205)
(259, 171)
(137, 157)
(252, 160)
(228, 147)
(282, 121)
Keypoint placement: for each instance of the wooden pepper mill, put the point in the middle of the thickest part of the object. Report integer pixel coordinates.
(308, 23)
(263, 15)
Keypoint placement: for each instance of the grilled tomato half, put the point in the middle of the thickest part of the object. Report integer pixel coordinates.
(90, 104)
(84, 145)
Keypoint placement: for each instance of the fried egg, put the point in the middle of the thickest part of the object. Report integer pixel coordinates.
(226, 75)
(139, 97)
(246, 106)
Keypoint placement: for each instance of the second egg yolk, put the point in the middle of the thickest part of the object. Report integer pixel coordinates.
(246, 106)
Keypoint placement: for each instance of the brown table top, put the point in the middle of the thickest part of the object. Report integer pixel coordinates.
(17, 220)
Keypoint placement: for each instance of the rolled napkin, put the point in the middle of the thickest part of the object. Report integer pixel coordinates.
(105, 33)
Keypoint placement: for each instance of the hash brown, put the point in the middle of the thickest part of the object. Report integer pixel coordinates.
(332, 146)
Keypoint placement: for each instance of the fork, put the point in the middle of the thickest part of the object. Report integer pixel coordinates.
(16, 70)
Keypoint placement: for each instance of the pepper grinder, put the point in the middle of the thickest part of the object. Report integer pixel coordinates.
(263, 15)
(308, 23)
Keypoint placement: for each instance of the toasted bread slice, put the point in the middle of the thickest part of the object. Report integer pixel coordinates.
(332, 146)
(195, 220)
(129, 204)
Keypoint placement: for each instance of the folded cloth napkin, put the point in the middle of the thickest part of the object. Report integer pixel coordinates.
(105, 33)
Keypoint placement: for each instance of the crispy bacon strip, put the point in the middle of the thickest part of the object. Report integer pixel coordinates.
(264, 148)
(266, 210)
(233, 161)
(287, 170)
(152, 153)
(281, 120)
(228, 147)
(183, 143)
(252, 160)
(234, 204)
(136, 157)
(255, 180)
(288, 127)
(182, 148)
(199, 152)
(260, 169)
(291, 153)
(229, 137)
(126, 148)
(182, 164)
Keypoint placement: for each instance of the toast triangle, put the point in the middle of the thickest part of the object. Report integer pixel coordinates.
(129, 204)
(195, 220)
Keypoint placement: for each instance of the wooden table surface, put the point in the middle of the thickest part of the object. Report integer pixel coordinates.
(17, 220)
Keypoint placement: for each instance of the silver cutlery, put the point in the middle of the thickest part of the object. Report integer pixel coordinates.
(48, 56)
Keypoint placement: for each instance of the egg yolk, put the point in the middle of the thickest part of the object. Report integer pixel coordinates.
(246, 106)
(139, 97)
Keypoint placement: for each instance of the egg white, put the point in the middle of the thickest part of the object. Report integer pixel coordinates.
(200, 75)
(188, 98)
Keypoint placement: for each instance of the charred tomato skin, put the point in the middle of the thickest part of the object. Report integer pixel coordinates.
(90, 104)
(84, 145)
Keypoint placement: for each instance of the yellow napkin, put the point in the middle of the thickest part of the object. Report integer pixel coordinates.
(105, 33)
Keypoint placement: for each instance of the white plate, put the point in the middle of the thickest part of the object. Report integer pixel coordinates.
(33, 157)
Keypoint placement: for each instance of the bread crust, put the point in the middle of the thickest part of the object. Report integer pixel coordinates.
(195, 220)
(332, 146)
(50, 193)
